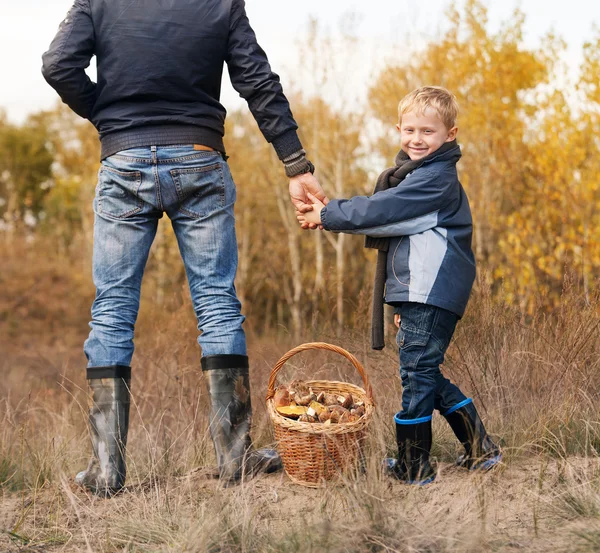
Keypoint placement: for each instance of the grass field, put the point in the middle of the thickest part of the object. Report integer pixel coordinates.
(534, 379)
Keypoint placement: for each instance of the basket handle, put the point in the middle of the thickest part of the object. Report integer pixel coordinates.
(318, 345)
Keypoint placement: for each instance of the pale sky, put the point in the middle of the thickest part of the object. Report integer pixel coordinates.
(385, 28)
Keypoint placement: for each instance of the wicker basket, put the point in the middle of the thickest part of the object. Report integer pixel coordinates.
(315, 453)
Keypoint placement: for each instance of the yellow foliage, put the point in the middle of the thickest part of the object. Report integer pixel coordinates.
(530, 166)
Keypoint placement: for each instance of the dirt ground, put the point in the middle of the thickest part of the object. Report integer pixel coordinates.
(530, 505)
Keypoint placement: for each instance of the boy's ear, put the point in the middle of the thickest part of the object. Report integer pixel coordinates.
(398, 126)
(452, 134)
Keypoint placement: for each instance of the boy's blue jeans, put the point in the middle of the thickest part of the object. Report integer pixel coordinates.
(423, 338)
(195, 189)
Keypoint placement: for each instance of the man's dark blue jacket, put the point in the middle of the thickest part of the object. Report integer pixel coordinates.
(160, 64)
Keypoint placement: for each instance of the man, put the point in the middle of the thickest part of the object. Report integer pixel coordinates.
(156, 108)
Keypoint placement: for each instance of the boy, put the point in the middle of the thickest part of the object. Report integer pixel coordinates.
(419, 219)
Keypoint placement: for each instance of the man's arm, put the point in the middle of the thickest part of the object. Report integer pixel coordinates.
(67, 58)
(253, 79)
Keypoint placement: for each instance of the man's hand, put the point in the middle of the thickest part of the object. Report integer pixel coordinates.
(397, 320)
(300, 187)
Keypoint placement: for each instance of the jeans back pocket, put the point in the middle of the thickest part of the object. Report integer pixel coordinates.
(201, 190)
(117, 192)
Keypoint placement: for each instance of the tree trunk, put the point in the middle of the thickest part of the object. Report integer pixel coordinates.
(294, 296)
(340, 262)
(10, 213)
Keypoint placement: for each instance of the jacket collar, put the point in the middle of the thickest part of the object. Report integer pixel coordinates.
(449, 151)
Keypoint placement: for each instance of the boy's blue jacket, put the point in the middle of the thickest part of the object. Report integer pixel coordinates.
(428, 218)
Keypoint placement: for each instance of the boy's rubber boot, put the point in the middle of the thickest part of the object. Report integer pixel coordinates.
(109, 399)
(413, 437)
(481, 453)
(231, 418)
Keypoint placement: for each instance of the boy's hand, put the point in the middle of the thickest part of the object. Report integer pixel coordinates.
(311, 218)
(397, 320)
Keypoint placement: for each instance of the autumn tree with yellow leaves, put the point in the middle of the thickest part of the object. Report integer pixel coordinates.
(530, 158)
(530, 166)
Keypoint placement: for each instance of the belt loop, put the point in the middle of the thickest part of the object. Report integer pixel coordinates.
(154, 158)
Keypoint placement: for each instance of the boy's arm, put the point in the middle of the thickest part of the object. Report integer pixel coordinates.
(252, 77)
(409, 208)
(67, 58)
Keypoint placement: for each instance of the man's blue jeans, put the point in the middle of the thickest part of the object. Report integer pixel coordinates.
(423, 338)
(195, 189)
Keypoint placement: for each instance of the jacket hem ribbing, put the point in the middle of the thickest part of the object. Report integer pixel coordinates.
(160, 135)
(454, 307)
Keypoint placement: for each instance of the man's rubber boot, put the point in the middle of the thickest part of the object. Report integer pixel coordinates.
(481, 453)
(109, 398)
(231, 418)
(413, 437)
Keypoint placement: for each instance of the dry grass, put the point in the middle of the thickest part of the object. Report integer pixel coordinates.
(535, 380)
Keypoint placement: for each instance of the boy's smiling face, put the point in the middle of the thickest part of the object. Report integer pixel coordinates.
(422, 134)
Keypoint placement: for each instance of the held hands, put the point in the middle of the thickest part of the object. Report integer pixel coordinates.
(300, 187)
(311, 219)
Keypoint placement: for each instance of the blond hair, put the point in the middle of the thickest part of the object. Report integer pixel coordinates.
(435, 97)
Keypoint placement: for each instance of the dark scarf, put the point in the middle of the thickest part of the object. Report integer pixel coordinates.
(390, 178)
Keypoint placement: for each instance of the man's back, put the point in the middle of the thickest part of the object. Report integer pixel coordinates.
(160, 64)
(159, 60)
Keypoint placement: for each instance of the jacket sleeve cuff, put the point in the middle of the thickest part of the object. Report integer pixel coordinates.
(287, 144)
(330, 220)
(324, 219)
(297, 164)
